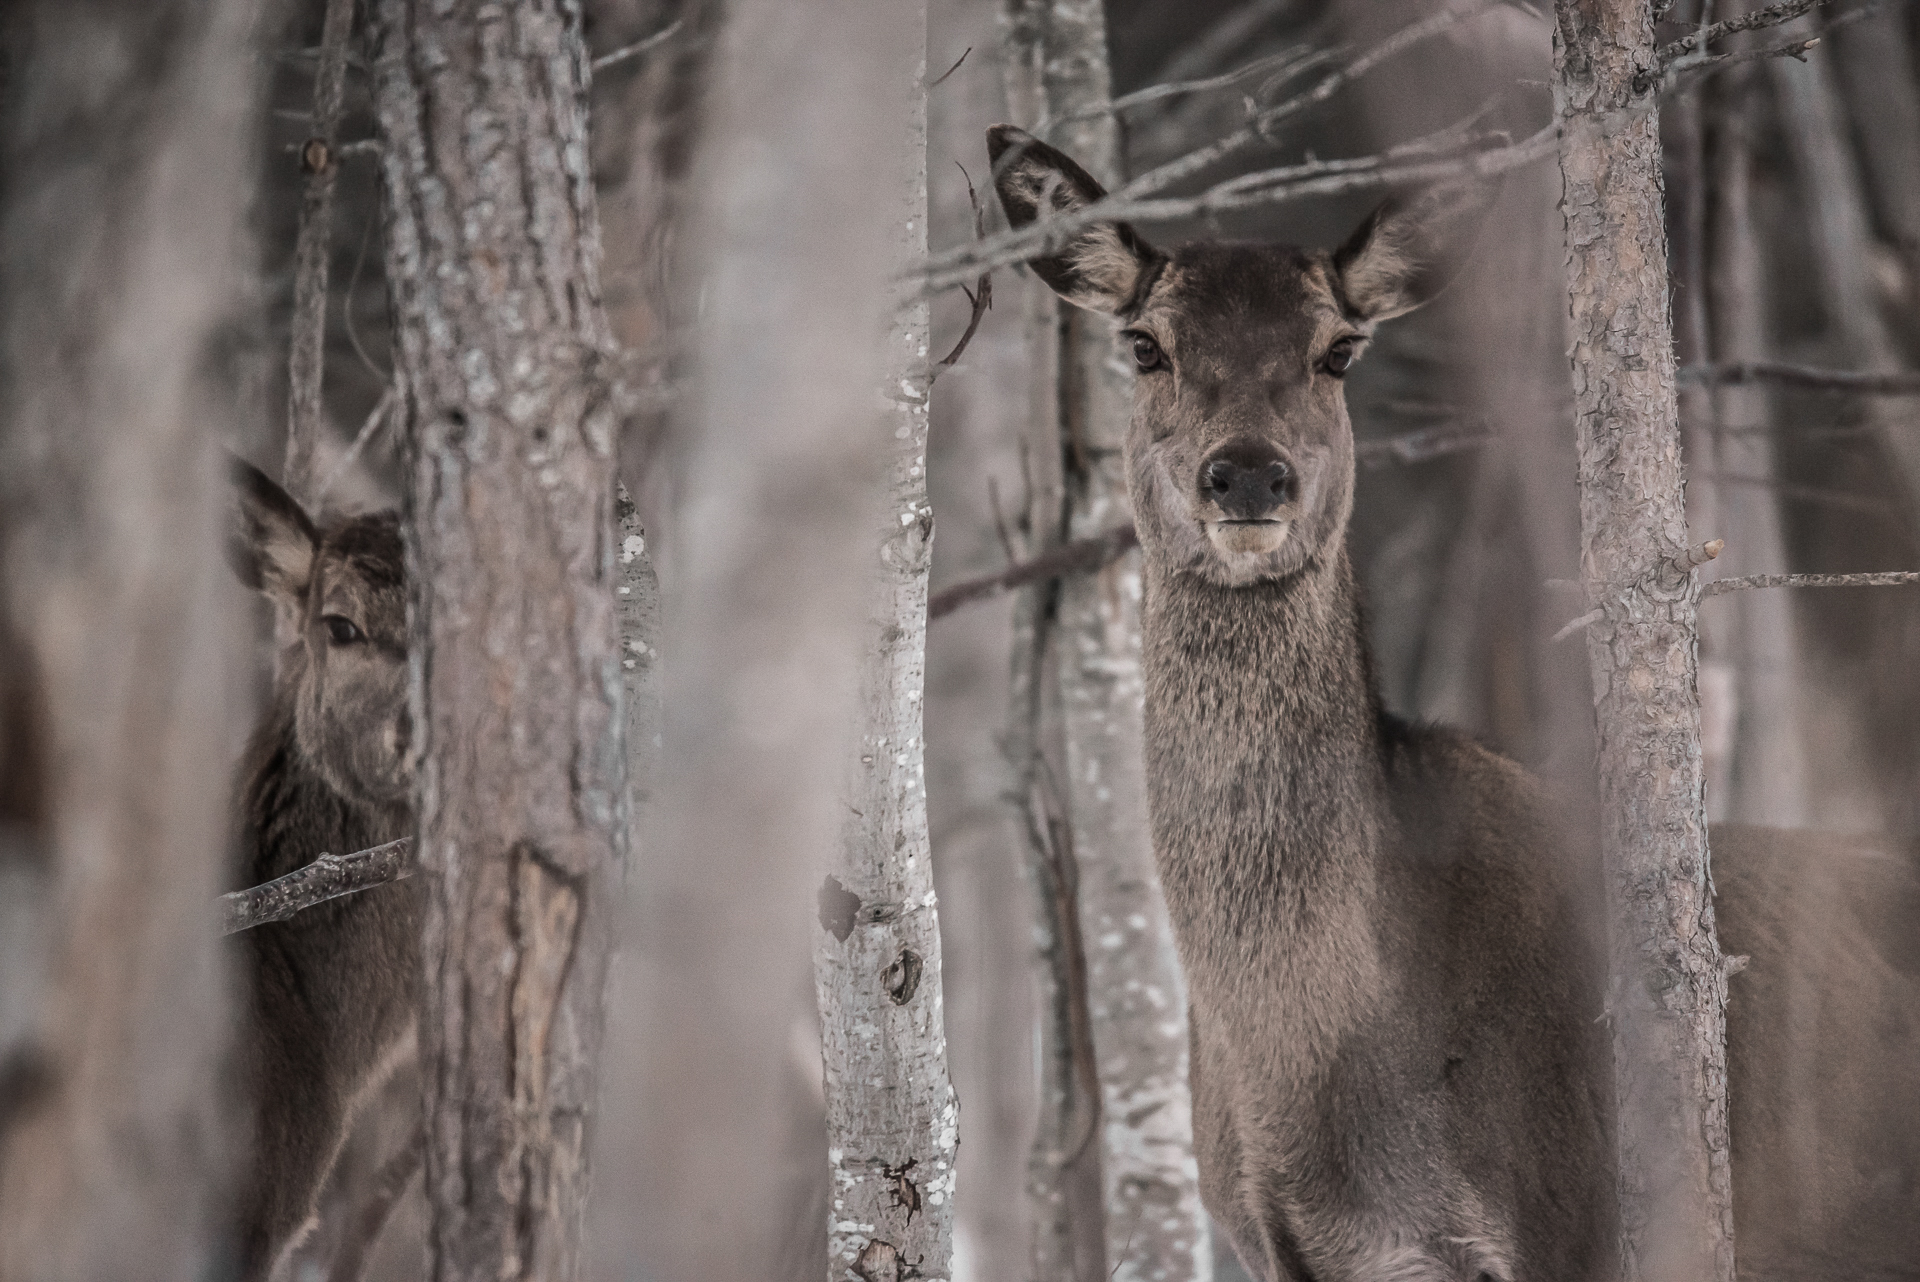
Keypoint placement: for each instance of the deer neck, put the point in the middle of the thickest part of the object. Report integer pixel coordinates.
(1265, 788)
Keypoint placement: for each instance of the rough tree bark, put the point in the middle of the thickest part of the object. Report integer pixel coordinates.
(125, 141)
(1136, 998)
(1667, 992)
(493, 249)
(892, 1119)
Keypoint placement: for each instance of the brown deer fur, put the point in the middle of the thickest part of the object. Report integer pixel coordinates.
(1399, 1069)
(330, 996)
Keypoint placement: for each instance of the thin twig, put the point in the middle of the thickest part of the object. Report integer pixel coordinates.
(1421, 445)
(1268, 187)
(981, 295)
(1796, 48)
(1285, 65)
(1880, 579)
(1771, 16)
(389, 1182)
(381, 408)
(638, 47)
(950, 70)
(313, 253)
(328, 877)
(1683, 562)
(346, 308)
(1786, 375)
(1079, 557)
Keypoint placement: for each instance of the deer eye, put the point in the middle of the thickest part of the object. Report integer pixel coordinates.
(341, 630)
(1339, 357)
(1146, 353)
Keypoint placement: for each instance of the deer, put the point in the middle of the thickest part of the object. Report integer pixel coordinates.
(330, 996)
(1399, 1061)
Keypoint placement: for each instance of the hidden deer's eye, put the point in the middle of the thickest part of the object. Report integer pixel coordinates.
(341, 630)
(1146, 353)
(1339, 357)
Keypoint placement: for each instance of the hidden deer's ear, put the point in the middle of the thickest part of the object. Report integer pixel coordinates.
(1106, 267)
(270, 539)
(1410, 249)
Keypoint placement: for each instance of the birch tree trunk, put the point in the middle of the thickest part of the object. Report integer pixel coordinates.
(1667, 992)
(1136, 997)
(892, 1119)
(778, 446)
(127, 135)
(493, 249)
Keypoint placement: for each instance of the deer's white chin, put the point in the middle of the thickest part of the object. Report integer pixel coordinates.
(1235, 540)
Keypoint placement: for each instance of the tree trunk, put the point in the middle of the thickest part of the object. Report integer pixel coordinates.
(778, 449)
(1667, 994)
(313, 258)
(493, 250)
(1136, 996)
(892, 1120)
(128, 133)
(1768, 777)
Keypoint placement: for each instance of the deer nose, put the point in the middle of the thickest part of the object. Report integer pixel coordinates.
(1246, 484)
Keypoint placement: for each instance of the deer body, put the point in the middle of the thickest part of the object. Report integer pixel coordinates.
(1400, 1072)
(331, 994)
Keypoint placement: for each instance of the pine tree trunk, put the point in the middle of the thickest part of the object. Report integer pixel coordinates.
(892, 1119)
(1667, 995)
(1135, 994)
(128, 136)
(493, 252)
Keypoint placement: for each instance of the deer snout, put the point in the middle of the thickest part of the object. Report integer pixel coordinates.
(1247, 481)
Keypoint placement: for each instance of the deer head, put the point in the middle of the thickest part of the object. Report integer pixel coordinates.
(340, 593)
(1240, 452)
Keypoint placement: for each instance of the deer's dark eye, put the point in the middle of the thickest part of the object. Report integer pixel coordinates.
(341, 630)
(1339, 357)
(1146, 353)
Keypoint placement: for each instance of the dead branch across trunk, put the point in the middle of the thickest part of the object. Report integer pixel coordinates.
(328, 877)
(1782, 374)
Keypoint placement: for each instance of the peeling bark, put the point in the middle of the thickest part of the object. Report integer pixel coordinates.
(1667, 991)
(493, 251)
(125, 141)
(892, 1118)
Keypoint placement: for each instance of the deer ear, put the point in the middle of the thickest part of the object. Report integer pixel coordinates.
(1103, 267)
(1410, 249)
(270, 539)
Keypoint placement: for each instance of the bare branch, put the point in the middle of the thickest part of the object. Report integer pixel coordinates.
(1771, 16)
(1266, 187)
(638, 47)
(328, 877)
(1879, 579)
(371, 1216)
(381, 408)
(313, 252)
(1786, 375)
(981, 295)
(1423, 444)
(1683, 563)
(948, 72)
(1080, 557)
(1796, 48)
